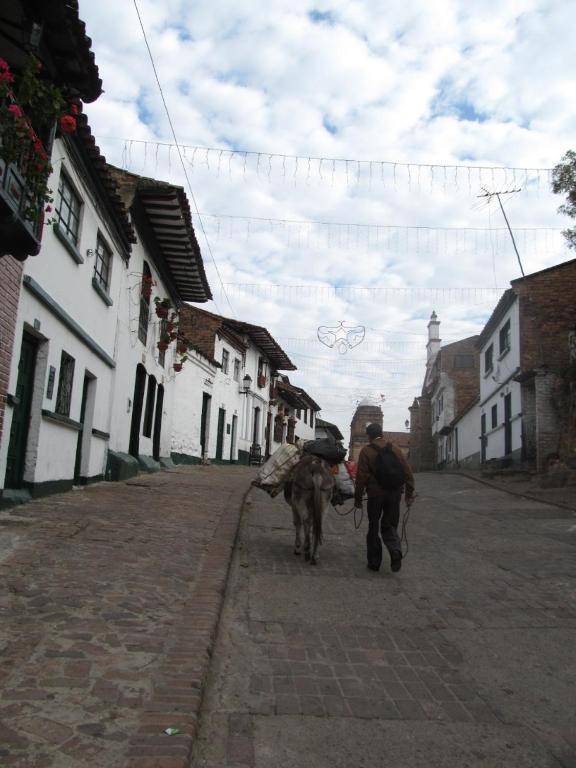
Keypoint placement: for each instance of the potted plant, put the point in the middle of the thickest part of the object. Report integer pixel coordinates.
(181, 346)
(178, 365)
(163, 345)
(23, 99)
(147, 284)
(162, 306)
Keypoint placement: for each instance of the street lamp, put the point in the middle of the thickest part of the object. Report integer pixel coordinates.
(246, 385)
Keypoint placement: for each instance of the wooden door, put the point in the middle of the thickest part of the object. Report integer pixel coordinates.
(233, 437)
(205, 423)
(507, 424)
(483, 438)
(220, 434)
(139, 386)
(78, 462)
(21, 414)
(158, 423)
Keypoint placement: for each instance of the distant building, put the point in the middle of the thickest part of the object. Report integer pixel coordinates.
(366, 413)
(507, 396)
(327, 429)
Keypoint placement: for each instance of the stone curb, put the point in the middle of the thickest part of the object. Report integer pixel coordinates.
(518, 494)
(179, 683)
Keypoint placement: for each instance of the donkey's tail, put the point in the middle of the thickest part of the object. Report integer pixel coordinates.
(317, 479)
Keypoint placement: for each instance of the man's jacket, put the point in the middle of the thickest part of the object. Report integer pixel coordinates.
(366, 473)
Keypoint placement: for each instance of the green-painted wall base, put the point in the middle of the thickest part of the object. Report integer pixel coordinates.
(121, 466)
(185, 458)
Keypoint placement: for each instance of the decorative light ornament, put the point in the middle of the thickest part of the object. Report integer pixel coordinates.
(342, 337)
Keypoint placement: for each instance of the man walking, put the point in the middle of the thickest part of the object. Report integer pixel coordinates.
(384, 473)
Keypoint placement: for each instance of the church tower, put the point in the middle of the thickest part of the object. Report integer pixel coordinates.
(366, 413)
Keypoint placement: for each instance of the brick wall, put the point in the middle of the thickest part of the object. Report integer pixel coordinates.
(200, 328)
(547, 310)
(365, 414)
(422, 454)
(10, 279)
(465, 380)
(547, 316)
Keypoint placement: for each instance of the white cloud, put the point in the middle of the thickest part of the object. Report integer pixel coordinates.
(444, 82)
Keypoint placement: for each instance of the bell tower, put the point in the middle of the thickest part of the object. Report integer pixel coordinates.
(366, 413)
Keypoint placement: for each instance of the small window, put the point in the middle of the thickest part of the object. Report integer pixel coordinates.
(144, 303)
(299, 413)
(65, 382)
(225, 360)
(68, 210)
(236, 369)
(305, 415)
(489, 359)
(494, 416)
(102, 263)
(505, 338)
(163, 334)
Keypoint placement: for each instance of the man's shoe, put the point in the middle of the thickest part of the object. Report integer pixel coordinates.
(396, 564)
(372, 567)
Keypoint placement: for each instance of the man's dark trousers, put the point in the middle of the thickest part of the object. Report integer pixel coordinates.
(383, 518)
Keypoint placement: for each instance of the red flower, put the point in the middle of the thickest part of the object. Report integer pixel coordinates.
(15, 110)
(74, 109)
(67, 124)
(48, 208)
(4, 65)
(6, 77)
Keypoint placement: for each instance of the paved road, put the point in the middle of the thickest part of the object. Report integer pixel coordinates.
(100, 620)
(465, 659)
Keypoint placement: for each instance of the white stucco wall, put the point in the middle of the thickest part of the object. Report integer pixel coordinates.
(468, 436)
(198, 376)
(496, 384)
(130, 352)
(51, 446)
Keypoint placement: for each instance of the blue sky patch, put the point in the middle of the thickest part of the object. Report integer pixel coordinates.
(322, 17)
(329, 126)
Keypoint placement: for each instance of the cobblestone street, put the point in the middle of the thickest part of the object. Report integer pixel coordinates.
(110, 596)
(464, 658)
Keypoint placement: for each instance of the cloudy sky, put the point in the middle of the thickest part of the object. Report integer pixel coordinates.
(381, 121)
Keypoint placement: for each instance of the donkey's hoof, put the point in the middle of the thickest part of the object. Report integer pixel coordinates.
(307, 556)
(297, 552)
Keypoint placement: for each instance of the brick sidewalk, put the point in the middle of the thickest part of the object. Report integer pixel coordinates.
(110, 605)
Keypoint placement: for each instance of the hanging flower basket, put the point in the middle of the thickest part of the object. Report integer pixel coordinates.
(162, 307)
(181, 347)
(177, 367)
(162, 345)
(29, 108)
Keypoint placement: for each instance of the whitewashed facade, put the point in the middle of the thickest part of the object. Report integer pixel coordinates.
(223, 393)
(79, 334)
(500, 406)
(66, 328)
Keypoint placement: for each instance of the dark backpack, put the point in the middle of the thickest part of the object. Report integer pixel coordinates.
(389, 472)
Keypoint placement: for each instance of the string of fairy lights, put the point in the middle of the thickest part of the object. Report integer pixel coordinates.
(249, 165)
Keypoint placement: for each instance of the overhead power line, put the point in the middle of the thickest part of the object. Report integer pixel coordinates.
(178, 149)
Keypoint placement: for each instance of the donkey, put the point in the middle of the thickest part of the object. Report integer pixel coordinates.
(309, 493)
